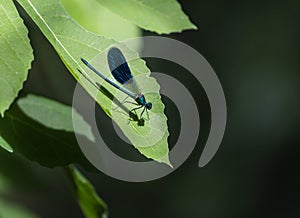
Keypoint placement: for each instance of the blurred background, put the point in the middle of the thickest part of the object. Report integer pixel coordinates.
(254, 48)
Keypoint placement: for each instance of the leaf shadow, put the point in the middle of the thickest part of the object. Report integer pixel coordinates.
(46, 146)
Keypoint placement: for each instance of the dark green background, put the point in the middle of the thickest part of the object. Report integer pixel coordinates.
(254, 48)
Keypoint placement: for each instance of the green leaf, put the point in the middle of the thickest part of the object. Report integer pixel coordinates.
(90, 203)
(53, 114)
(8, 209)
(100, 20)
(15, 54)
(4, 184)
(37, 142)
(5, 145)
(95, 17)
(72, 42)
(161, 16)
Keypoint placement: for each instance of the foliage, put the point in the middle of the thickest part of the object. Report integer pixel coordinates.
(91, 204)
(40, 129)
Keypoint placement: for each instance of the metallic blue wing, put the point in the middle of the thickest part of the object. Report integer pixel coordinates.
(120, 70)
(118, 65)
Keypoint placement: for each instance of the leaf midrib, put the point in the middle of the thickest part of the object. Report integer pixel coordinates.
(53, 34)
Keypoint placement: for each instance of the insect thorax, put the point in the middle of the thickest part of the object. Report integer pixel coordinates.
(141, 100)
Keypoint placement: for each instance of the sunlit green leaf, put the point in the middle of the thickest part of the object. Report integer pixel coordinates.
(100, 20)
(53, 114)
(15, 54)
(72, 42)
(161, 16)
(5, 145)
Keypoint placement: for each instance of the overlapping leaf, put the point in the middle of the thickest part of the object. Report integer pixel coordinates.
(15, 54)
(33, 139)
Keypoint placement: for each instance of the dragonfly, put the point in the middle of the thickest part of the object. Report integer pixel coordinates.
(121, 72)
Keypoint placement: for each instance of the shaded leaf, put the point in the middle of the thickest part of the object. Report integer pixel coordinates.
(90, 203)
(12, 210)
(35, 141)
(4, 184)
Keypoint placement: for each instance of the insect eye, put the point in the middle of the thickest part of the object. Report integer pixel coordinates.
(149, 106)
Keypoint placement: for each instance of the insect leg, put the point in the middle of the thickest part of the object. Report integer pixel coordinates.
(147, 114)
(134, 109)
(143, 112)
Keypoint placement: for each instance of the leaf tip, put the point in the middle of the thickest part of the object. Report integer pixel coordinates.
(5, 145)
(165, 159)
(193, 27)
(9, 149)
